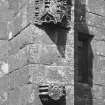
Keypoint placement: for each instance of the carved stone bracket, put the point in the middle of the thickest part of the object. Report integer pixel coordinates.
(54, 91)
(52, 11)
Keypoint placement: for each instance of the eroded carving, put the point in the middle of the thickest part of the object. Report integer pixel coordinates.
(51, 11)
(54, 91)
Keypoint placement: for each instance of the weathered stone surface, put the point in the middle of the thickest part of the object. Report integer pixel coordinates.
(96, 6)
(60, 74)
(37, 73)
(99, 78)
(3, 50)
(39, 54)
(14, 96)
(90, 19)
(69, 95)
(98, 92)
(18, 15)
(13, 5)
(100, 48)
(33, 53)
(30, 35)
(98, 102)
(95, 20)
(19, 77)
(25, 94)
(49, 54)
(3, 31)
(16, 24)
(17, 60)
(29, 95)
(4, 68)
(30, 10)
(70, 38)
(5, 14)
(3, 98)
(4, 84)
(44, 47)
(98, 33)
(99, 64)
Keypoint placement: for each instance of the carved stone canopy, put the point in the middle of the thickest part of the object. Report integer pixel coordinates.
(51, 11)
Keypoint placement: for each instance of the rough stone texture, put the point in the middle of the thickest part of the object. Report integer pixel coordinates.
(3, 50)
(96, 6)
(34, 54)
(3, 30)
(90, 19)
(38, 54)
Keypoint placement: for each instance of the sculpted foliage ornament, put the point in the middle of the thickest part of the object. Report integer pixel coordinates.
(54, 91)
(52, 11)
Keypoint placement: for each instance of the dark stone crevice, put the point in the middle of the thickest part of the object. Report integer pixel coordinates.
(83, 85)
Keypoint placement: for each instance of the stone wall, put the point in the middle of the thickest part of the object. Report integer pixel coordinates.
(90, 19)
(31, 55)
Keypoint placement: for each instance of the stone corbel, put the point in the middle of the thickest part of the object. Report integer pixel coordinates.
(52, 11)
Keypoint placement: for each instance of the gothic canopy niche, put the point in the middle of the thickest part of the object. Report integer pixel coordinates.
(52, 11)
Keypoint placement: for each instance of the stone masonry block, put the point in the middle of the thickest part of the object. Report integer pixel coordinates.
(95, 20)
(99, 78)
(19, 77)
(70, 38)
(5, 13)
(4, 84)
(13, 5)
(58, 55)
(30, 10)
(97, 32)
(69, 94)
(14, 96)
(17, 60)
(37, 73)
(17, 23)
(3, 50)
(43, 54)
(100, 48)
(30, 35)
(98, 102)
(59, 74)
(29, 95)
(3, 31)
(69, 51)
(96, 6)
(99, 63)
(42, 73)
(33, 53)
(98, 92)
(49, 54)
(25, 94)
